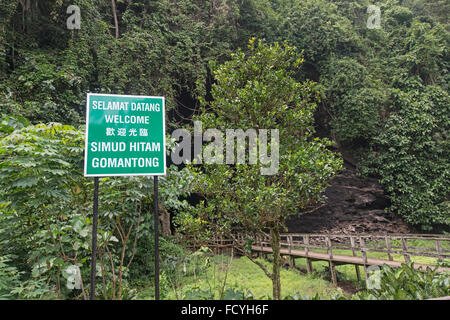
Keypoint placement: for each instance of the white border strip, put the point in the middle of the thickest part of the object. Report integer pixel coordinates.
(87, 134)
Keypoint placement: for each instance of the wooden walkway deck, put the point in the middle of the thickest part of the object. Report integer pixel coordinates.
(344, 259)
(303, 245)
(322, 247)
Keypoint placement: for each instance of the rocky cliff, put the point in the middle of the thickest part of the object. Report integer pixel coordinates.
(353, 205)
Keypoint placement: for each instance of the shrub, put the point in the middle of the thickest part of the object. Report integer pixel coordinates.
(406, 283)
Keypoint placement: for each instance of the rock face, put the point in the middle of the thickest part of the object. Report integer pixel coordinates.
(354, 205)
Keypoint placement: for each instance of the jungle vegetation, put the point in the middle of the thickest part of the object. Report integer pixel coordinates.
(380, 94)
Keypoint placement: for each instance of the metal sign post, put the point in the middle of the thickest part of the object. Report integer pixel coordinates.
(156, 223)
(125, 136)
(94, 239)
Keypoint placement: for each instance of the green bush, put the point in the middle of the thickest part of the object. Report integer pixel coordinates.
(46, 208)
(406, 283)
(9, 278)
(411, 155)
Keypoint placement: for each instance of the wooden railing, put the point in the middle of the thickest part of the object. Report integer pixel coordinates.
(368, 243)
(324, 247)
(355, 249)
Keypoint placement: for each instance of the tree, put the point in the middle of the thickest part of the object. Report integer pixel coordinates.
(46, 207)
(257, 91)
(116, 22)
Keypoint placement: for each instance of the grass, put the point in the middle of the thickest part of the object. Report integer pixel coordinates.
(245, 275)
(242, 274)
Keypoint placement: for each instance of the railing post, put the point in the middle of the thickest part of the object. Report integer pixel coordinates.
(308, 260)
(261, 246)
(439, 250)
(330, 255)
(364, 255)
(329, 247)
(389, 248)
(291, 258)
(352, 243)
(405, 250)
(263, 239)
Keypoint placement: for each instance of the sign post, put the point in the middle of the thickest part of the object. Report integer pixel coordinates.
(156, 227)
(94, 240)
(125, 136)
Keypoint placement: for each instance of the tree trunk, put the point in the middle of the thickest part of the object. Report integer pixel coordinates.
(116, 22)
(276, 281)
(164, 219)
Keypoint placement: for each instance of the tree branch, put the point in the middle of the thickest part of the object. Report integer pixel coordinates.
(259, 264)
(116, 22)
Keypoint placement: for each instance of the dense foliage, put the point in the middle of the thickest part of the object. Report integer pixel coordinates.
(46, 216)
(384, 104)
(370, 79)
(406, 283)
(386, 93)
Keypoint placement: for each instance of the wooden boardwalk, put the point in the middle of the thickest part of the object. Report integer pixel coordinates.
(303, 245)
(343, 259)
(323, 247)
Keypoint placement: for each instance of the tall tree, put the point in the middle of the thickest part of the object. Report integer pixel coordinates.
(257, 91)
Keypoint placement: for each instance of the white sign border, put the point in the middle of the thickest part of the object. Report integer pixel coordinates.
(87, 134)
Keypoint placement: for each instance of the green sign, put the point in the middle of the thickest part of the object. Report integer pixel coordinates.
(125, 136)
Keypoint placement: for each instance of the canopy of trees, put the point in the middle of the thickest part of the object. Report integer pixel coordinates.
(379, 93)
